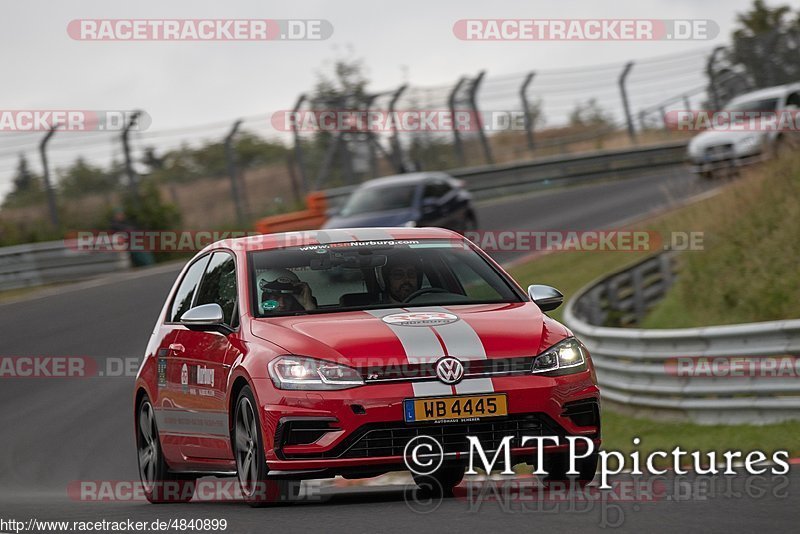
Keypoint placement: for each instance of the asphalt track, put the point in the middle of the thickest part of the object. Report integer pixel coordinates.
(58, 431)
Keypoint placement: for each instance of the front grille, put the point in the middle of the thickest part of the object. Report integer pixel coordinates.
(390, 439)
(719, 151)
(472, 369)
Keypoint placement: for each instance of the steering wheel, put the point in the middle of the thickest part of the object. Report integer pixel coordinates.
(424, 291)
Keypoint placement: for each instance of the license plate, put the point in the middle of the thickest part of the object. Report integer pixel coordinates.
(455, 408)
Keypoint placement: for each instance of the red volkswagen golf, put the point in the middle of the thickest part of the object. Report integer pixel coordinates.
(315, 354)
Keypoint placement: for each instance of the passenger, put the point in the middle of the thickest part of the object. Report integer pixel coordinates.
(282, 290)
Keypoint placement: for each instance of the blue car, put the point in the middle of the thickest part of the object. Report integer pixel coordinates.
(415, 199)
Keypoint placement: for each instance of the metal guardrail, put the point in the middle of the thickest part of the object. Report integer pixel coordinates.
(640, 368)
(52, 262)
(498, 180)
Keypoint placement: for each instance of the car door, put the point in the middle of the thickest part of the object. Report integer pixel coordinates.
(205, 358)
(168, 403)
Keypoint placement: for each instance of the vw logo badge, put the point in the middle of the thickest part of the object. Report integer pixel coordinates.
(450, 370)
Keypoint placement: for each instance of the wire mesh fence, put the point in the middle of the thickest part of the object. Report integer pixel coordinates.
(513, 117)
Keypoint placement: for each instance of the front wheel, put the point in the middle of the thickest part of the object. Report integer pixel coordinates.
(442, 481)
(251, 465)
(159, 484)
(557, 465)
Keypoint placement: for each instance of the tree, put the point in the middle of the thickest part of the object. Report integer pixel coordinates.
(82, 178)
(767, 42)
(590, 113)
(28, 188)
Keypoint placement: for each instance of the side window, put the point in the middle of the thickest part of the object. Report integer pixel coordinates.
(793, 100)
(436, 189)
(219, 286)
(186, 291)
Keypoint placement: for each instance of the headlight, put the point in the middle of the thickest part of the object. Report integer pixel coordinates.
(694, 150)
(297, 372)
(563, 358)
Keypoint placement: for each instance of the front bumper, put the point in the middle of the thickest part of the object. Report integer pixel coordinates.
(726, 160)
(362, 432)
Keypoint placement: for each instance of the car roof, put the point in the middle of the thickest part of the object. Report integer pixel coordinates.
(408, 178)
(769, 92)
(321, 237)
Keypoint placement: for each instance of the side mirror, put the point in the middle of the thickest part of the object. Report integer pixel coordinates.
(205, 317)
(546, 297)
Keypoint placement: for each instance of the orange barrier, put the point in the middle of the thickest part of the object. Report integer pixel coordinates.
(310, 218)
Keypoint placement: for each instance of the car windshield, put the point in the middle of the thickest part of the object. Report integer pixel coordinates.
(767, 104)
(372, 275)
(372, 199)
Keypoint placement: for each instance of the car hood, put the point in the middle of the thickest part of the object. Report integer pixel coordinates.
(720, 137)
(380, 337)
(366, 220)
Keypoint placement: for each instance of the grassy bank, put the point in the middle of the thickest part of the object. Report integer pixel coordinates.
(619, 431)
(748, 271)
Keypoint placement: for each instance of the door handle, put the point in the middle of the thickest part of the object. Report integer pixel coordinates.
(176, 347)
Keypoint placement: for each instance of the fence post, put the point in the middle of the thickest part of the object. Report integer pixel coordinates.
(622, 78)
(394, 141)
(133, 182)
(298, 148)
(473, 92)
(459, 149)
(230, 162)
(526, 109)
(51, 199)
(712, 77)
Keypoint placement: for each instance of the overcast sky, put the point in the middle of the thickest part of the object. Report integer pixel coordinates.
(182, 84)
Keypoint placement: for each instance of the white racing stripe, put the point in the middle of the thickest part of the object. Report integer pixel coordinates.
(464, 343)
(419, 344)
(422, 346)
(460, 339)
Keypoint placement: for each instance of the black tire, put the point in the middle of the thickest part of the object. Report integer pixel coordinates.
(442, 481)
(160, 485)
(557, 465)
(251, 464)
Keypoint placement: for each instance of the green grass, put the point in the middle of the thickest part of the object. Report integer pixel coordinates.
(619, 431)
(749, 269)
(724, 283)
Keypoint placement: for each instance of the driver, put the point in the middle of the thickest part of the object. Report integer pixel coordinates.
(282, 290)
(403, 277)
